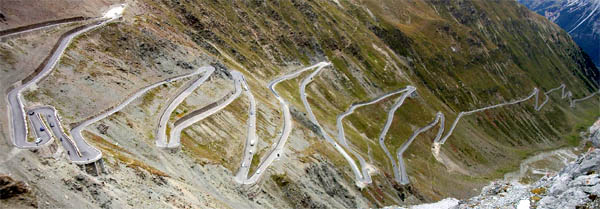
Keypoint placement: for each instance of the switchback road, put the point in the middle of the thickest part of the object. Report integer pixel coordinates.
(390, 118)
(161, 131)
(175, 134)
(276, 151)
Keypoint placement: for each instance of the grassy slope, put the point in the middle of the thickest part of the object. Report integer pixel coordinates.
(503, 52)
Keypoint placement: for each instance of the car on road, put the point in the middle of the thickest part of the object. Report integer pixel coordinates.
(51, 125)
(38, 140)
(68, 152)
(31, 112)
(42, 129)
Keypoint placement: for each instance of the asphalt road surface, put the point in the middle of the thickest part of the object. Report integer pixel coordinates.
(77, 149)
(16, 108)
(47, 126)
(390, 118)
(76, 132)
(362, 178)
(277, 150)
(401, 175)
(161, 131)
(175, 133)
(251, 138)
(439, 141)
(351, 109)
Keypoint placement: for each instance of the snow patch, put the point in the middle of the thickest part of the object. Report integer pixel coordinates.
(115, 11)
(523, 204)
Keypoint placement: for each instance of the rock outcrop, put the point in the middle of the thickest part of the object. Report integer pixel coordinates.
(594, 131)
(11, 188)
(575, 186)
(16, 194)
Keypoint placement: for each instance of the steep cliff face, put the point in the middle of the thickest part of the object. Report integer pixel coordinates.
(460, 56)
(581, 19)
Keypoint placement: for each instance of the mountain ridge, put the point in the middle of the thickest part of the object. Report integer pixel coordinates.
(581, 19)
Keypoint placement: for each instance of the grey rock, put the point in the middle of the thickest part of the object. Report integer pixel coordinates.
(594, 136)
(576, 185)
(589, 180)
(596, 139)
(588, 164)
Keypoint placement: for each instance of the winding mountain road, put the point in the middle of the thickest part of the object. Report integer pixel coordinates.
(175, 134)
(47, 125)
(41, 136)
(161, 131)
(16, 109)
(78, 150)
(76, 132)
(15, 105)
(401, 175)
(390, 118)
(249, 150)
(362, 179)
(340, 118)
(439, 140)
(73, 148)
(574, 101)
(287, 125)
(565, 94)
(461, 114)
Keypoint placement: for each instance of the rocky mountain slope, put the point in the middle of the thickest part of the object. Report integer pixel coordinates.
(459, 55)
(575, 186)
(580, 18)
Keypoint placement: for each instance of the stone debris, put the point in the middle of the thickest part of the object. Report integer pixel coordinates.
(575, 186)
(11, 188)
